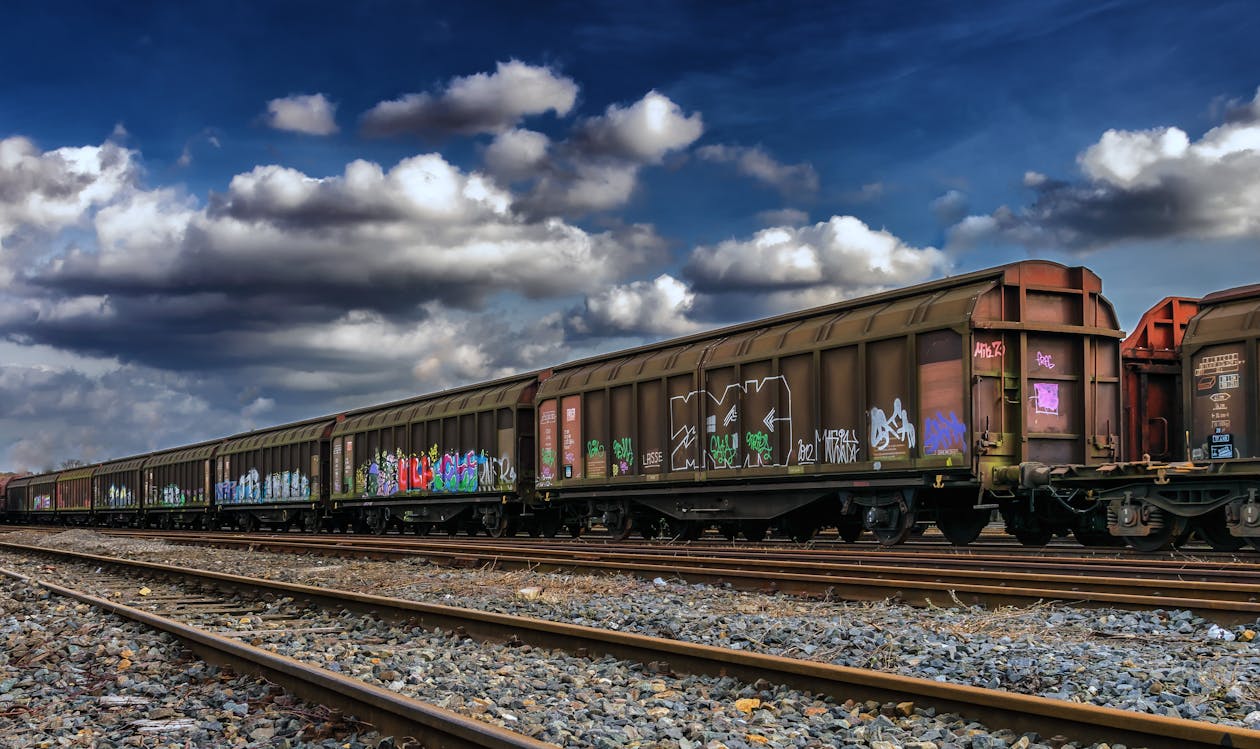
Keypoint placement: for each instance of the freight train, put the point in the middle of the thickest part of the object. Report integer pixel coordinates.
(1008, 390)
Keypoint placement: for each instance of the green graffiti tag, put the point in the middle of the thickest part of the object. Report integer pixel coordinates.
(549, 457)
(759, 443)
(594, 449)
(722, 451)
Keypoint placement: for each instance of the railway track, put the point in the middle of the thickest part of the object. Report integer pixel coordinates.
(179, 598)
(1228, 594)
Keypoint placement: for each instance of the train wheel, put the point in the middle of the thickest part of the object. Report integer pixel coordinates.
(622, 527)
(1037, 537)
(451, 527)
(1161, 538)
(574, 529)
(962, 525)
(890, 524)
(1211, 528)
(755, 531)
(548, 526)
(496, 523)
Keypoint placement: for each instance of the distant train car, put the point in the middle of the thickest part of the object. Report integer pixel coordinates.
(74, 496)
(118, 492)
(179, 487)
(275, 477)
(459, 459)
(1152, 381)
(911, 406)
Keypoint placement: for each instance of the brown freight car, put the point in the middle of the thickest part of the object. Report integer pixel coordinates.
(885, 413)
(1152, 381)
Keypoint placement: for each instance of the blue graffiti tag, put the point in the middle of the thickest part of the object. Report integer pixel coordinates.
(944, 434)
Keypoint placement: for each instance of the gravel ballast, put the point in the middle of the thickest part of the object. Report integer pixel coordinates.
(1168, 663)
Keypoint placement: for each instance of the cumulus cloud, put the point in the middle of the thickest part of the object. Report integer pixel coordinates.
(312, 114)
(517, 154)
(479, 103)
(790, 179)
(598, 168)
(951, 207)
(51, 190)
(655, 308)
(841, 253)
(1141, 185)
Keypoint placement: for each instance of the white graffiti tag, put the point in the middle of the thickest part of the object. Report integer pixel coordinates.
(888, 427)
(757, 427)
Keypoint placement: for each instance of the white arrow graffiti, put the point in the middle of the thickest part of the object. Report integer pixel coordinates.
(769, 420)
(730, 416)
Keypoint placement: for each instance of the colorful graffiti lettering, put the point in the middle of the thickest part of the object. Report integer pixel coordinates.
(388, 474)
(41, 502)
(887, 428)
(172, 495)
(759, 445)
(119, 496)
(722, 450)
(594, 449)
(253, 488)
(547, 474)
(944, 434)
(623, 451)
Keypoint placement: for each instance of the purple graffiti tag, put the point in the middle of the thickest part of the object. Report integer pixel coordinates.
(1045, 360)
(1046, 398)
(944, 434)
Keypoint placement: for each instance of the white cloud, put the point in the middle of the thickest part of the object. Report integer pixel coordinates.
(312, 114)
(517, 154)
(842, 252)
(1155, 184)
(480, 103)
(52, 190)
(643, 132)
(656, 308)
(756, 163)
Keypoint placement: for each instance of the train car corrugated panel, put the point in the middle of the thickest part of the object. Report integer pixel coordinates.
(1152, 382)
(43, 493)
(74, 490)
(280, 466)
(181, 479)
(16, 495)
(1219, 353)
(118, 486)
(466, 441)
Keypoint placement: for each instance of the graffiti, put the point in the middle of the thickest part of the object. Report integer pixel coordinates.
(944, 434)
(495, 472)
(1045, 398)
(989, 350)
(759, 445)
(1045, 360)
(548, 473)
(388, 474)
(653, 459)
(722, 450)
(41, 502)
(840, 445)
(683, 433)
(805, 453)
(172, 495)
(119, 496)
(623, 452)
(887, 429)
(253, 488)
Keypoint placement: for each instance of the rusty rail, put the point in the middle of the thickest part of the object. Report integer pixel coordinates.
(997, 709)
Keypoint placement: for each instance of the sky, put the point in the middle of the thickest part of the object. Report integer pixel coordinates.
(220, 217)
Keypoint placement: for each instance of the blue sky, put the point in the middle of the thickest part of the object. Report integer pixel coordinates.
(219, 217)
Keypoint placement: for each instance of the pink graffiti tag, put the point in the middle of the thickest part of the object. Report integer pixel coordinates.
(989, 349)
(1046, 398)
(1045, 360)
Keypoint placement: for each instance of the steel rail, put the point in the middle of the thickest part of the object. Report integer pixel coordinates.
(1226, 603)
(994, 708)
(390, 713)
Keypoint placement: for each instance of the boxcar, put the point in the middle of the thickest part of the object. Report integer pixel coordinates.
(1152, 381)
(17, 499)
(179, 487)
(460, 459)
(74, 496)
(274, 476)
(118, 492)
(885, 413)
